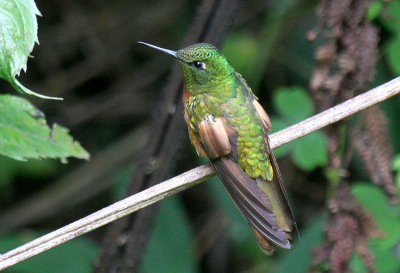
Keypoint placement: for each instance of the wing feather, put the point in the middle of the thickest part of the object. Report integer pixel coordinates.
(262, 114)
(214, 137)
(218, 141)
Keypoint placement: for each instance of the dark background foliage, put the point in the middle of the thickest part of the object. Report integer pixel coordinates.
(122, 101)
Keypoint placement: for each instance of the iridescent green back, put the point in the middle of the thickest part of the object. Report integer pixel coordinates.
(232, 99)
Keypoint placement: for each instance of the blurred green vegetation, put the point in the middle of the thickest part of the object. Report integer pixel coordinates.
(171, 244)
(294, 105)
(387, 218)
(88, 55)
(73, 256)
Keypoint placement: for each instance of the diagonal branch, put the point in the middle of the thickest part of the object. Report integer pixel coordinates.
(192, 177)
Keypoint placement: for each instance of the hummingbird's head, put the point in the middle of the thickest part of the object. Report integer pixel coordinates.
(202, 65)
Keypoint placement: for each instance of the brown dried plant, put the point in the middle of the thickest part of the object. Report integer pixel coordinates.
(345, 66)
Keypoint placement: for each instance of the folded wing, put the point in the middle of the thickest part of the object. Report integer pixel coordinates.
(218, 141)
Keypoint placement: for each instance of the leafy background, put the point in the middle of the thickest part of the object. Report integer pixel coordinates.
(112, 86)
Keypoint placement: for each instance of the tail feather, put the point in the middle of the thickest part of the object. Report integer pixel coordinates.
(253, 203)
(279, 189)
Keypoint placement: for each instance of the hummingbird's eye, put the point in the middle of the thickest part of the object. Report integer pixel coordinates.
(199, 65)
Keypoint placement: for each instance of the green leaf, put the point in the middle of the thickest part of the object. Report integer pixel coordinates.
(357, 265)
(24, 133)
(387, 216)
(385, 259)
(374, 10)
(310, 151)
(170, 248)
(73, 256)
(388, 220)
(386, 263)
(366, 192)
(18, 34)
(293, 103)
(394, 54)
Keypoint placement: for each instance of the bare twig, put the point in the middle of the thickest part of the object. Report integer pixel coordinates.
(192, 177)
(336, 113)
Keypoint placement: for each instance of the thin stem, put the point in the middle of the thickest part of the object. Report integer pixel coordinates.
(192, 177)
(336, 113)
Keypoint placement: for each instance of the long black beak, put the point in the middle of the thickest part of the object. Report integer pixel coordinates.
(170, 52)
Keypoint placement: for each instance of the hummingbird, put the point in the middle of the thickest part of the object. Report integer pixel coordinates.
(228, 126)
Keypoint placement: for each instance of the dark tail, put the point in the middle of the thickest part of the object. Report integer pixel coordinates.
(253, 203)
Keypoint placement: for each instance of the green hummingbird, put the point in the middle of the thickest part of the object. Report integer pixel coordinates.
(228, 126)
